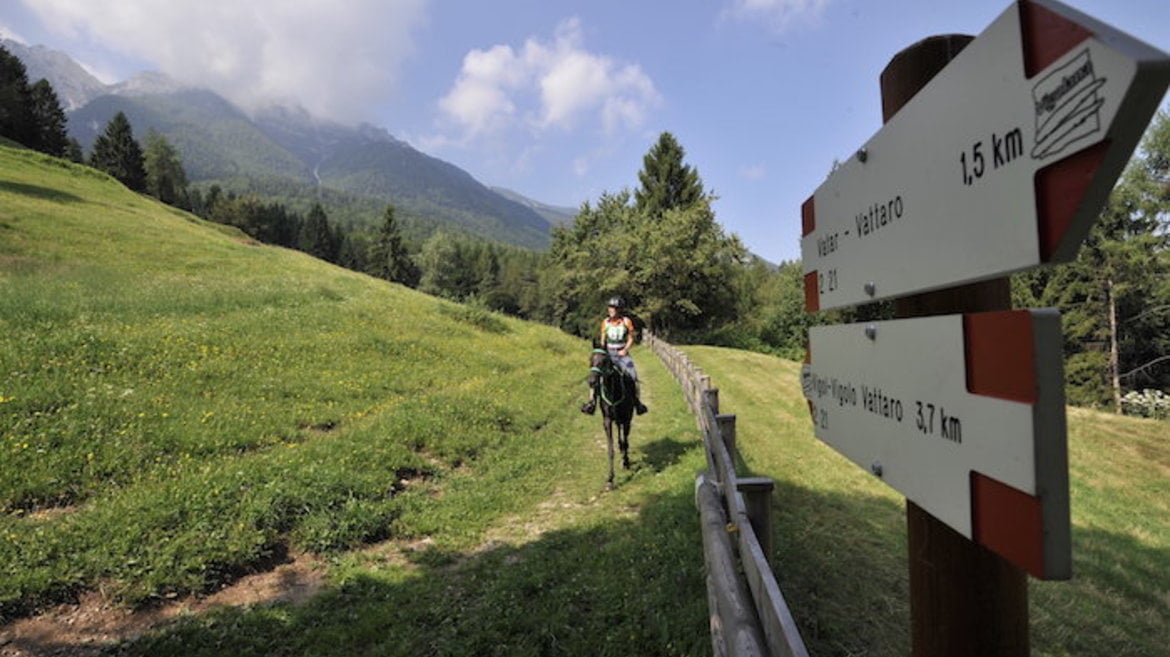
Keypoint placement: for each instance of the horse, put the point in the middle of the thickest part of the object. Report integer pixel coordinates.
(614, 392)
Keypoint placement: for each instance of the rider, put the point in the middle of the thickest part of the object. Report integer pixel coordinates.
(617, 334)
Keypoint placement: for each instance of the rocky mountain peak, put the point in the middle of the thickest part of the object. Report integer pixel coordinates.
(74, 85)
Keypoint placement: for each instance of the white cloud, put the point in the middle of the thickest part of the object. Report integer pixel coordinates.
(480, 101)
(779, 15)
(335, 63)
(554, 84)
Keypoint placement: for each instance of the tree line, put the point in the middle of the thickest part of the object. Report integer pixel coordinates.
(660, 248)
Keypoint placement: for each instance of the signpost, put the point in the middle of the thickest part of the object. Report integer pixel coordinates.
(962, 414)
(1001, 163)
(996, 156)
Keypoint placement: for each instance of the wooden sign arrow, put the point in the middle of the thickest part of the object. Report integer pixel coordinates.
(1001, 163)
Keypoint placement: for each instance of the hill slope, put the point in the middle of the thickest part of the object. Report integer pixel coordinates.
(182, 407)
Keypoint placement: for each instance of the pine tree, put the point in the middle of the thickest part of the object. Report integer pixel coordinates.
(666, 181)
(389, 257)
(166, 179)
(49, 120)
(317, 238)
(117, 153)
(681, 264)
(16, 119)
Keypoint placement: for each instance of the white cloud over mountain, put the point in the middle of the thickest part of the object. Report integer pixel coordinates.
(338, 64)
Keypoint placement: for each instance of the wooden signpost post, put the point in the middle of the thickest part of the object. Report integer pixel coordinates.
(997, 155)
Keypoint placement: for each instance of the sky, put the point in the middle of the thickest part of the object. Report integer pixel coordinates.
(559, 101)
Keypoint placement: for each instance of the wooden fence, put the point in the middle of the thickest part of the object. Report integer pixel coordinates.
(748, 612)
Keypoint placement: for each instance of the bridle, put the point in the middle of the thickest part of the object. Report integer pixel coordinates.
(605, 371)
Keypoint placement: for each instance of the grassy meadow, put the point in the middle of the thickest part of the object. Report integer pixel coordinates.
(840, 534)
(181, 406)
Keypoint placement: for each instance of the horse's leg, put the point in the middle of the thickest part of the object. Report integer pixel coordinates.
(609, 441)
(624, 443)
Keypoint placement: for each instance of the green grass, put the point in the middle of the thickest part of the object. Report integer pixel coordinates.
(181, 406)
(840, 534)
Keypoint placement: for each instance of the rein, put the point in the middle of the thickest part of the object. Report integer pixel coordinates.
(604, 374)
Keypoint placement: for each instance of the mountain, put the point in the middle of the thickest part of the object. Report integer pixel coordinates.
(555, 215)
(74, 85)
(217, 141)
(369, 162)
(286, 154)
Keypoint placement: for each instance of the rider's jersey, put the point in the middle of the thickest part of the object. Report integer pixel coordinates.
(616, 331)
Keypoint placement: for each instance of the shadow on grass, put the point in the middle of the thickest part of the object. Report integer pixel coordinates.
(1117, 601)
(628, 586)
(43, 193)
(841, 562)
(664, 452)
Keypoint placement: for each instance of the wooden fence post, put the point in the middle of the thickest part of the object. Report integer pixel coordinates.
(734, 626)
(726, 424)
(964, 599)
(757, 502)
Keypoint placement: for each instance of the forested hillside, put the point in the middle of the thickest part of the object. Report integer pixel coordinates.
(283, 155)
(657, 244)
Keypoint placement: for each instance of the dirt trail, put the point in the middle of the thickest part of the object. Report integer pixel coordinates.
(96, 623)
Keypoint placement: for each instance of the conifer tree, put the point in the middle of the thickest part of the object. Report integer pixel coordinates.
(49, 120)
(680, 263)
(666, 181)
(389, 256)
(317, 238)
(166, 179)
(117, 153)
(16, 120)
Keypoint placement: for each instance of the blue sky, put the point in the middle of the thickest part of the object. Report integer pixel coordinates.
(559, 100)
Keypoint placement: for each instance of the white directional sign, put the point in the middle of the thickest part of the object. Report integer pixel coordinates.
(1000, 163)
(962, 414)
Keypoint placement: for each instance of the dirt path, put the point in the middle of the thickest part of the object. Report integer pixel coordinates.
(96, 623)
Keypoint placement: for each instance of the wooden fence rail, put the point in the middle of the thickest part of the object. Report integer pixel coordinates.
(739, 508)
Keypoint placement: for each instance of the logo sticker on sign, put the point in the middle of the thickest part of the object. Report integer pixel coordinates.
(1068, 106)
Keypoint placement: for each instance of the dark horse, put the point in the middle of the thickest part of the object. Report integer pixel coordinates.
(614, 391)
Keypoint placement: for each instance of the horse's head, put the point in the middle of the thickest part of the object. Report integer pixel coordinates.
(599, 365)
